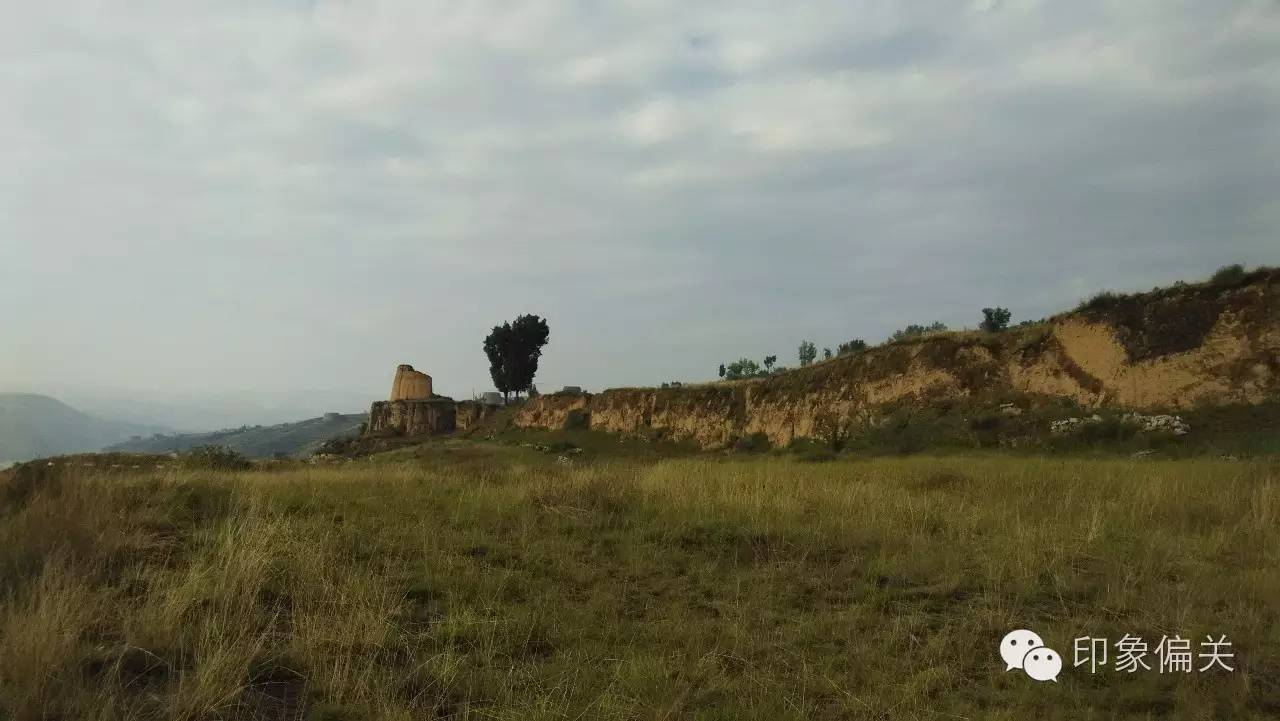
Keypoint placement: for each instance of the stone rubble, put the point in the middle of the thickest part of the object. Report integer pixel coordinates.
(1171, 424)
(1161, 423)
(1071, 425)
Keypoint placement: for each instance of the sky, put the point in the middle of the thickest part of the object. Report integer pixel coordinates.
(267, 206)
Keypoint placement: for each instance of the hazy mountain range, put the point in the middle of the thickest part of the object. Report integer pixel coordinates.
(297, 439)
(200, 411)
(33, 426)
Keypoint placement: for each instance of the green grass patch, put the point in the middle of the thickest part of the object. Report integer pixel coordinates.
(486, 581)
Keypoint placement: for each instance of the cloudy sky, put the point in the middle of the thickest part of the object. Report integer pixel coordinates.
(291, 197)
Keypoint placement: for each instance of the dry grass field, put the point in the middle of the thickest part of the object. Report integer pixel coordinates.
(477, 581)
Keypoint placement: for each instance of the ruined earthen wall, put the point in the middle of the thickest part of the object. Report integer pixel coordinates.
(470, 414)
(1165, 351)
(412, 417)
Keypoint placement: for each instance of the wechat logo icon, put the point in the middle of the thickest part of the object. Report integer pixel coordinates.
(1026, 650)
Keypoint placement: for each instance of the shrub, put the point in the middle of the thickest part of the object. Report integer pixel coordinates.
(1228, 276)
(912, 438)
(901, 432)
(834, 431)
(853, 346)
(752, 443)
(986, 430)
(1032, 337)
(995, 320)
(986, 422)
(335, 447)
(916, 330)
(802, 444)
(1102, 301)
(577, 419)
(214, 458)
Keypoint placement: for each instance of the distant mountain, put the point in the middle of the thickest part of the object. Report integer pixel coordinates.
(201, 411)
(290, 439)
(34, 426)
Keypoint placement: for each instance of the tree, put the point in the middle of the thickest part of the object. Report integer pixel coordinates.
(722, 370)
(853, 346)
(808, 352)
(1228, 275)
(994, 320)
(769, 360)
(826, 354)
(914, 331)
(742, 368)
(499, 346)
(514, 349)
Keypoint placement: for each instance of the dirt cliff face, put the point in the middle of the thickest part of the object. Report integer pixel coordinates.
(1168, 349)
(411, 417)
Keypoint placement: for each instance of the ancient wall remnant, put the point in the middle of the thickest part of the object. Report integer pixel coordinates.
(1133, 358)
(471, 413)
(410, 385)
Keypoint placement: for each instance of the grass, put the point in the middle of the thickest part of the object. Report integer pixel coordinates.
(483, 581)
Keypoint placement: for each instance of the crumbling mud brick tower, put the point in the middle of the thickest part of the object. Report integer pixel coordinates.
(413, 409)
(410, 385)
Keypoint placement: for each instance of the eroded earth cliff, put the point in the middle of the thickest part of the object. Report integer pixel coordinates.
(1173, 348)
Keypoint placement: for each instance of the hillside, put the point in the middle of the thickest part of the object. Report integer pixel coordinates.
(291, 439)
(32, 426)
(1191, 346)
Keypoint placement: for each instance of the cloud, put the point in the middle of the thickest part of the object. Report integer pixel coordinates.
(303, 194)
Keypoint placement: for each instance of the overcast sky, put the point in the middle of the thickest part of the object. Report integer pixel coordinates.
(287, 197)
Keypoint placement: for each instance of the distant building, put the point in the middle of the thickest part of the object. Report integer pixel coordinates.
(491, 398)
(571, 389)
